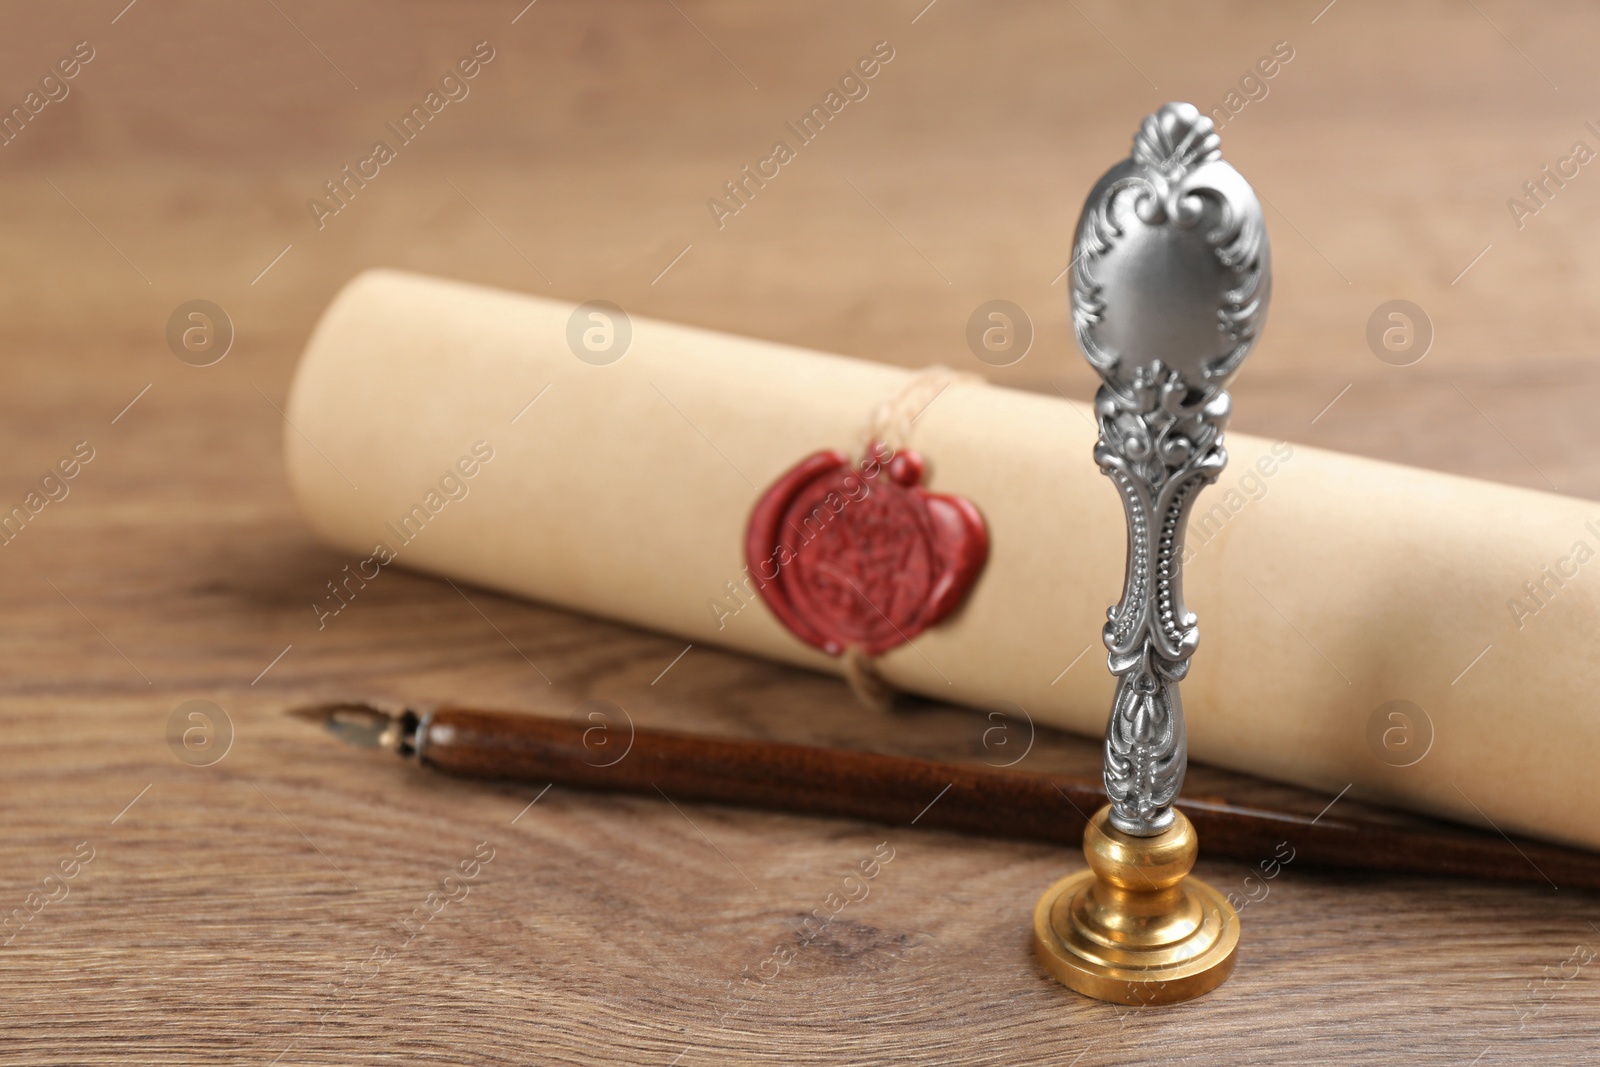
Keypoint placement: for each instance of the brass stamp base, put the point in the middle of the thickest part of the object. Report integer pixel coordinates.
(1134, 929)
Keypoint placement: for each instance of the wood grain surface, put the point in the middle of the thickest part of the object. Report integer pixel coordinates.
(294, 902)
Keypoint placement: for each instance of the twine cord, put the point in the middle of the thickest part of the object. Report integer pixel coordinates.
(892, 424)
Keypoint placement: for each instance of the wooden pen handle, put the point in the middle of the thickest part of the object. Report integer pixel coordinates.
(761, 774)
(903, 790)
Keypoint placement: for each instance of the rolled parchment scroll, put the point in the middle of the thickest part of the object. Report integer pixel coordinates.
(1422, 638)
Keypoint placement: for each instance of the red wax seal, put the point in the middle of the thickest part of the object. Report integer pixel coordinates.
(862, 556)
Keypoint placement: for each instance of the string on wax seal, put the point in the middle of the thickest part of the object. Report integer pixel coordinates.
(870, 687)
(889, 432)
(894, 419)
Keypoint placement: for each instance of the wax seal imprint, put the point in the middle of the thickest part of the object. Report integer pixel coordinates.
(860, 555)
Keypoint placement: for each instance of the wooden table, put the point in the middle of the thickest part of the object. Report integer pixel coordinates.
(256, 910)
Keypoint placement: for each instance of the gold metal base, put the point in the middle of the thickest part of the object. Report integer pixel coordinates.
(1134, 929)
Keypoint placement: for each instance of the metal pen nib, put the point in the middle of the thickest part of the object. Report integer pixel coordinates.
(363, 725)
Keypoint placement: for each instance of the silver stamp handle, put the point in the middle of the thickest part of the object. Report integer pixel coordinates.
(1171, 279)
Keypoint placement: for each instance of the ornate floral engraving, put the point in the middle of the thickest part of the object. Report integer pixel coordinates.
(1170, 287)
(1160, 449)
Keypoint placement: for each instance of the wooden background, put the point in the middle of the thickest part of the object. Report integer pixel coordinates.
(245, 912)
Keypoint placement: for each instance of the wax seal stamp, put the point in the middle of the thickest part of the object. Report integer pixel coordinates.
(860, 556)
(1170, 285)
